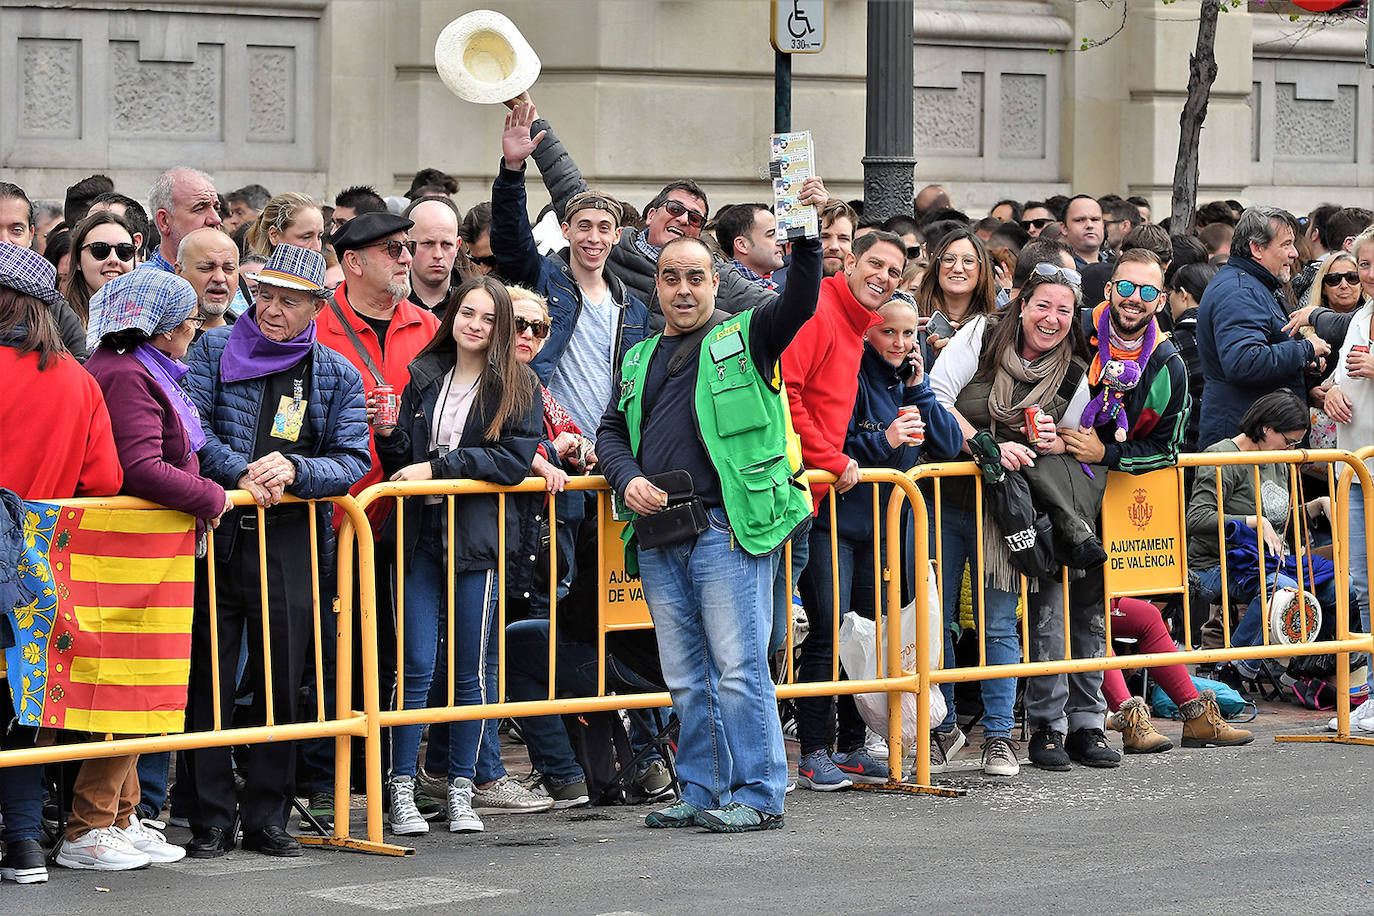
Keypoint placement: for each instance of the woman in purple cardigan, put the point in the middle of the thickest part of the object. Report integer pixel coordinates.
(140, 326)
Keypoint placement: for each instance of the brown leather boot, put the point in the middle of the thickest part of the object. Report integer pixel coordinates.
(1138, 734)
(1203, 725)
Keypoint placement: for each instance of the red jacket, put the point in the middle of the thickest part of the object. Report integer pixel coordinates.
(411, 329)
(55, 436)
(821, 370)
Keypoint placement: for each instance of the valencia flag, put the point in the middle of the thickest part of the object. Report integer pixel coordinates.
(105, 645)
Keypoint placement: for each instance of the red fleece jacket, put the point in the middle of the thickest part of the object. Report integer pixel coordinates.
(821, 370)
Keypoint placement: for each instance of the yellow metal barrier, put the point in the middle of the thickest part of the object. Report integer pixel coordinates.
(346, 723)
(1342, 645)
(894, 682)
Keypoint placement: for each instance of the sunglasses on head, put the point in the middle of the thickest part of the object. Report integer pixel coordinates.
(1040, 223)
(540, 329)
(1046, 269)
(694, 219)
(125, 251)
(1350, 277)
(394, 247)
(1124, 288)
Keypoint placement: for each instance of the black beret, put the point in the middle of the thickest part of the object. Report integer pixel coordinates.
(366, 228)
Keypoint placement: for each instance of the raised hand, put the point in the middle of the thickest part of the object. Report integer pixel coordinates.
(516, 142)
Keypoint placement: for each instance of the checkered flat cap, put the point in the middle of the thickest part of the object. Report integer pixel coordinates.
(26, 271)
(294, 268)
(153, 301)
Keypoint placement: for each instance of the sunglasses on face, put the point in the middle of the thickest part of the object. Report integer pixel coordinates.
(488, 260)
(1124, 288)
(1036, 223)
(1350, 277)
(1046, 269)
(101, 250)
(394, 247)
(913, 252)
(676, 210)
(540, 329)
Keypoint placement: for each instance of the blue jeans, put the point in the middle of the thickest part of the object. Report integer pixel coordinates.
(817, 716)
(712, 607)
(426, 607)
(546, 737)
(21, 788)
(783, 587)
(489, 766)
(959, 545)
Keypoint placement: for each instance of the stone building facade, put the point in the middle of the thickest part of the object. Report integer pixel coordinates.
(314, 95)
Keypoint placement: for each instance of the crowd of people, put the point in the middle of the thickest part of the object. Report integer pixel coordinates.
(201, 341)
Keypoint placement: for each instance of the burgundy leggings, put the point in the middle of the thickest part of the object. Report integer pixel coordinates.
(1140, 620)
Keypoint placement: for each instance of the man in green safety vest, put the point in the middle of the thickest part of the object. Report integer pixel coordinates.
(700, 410)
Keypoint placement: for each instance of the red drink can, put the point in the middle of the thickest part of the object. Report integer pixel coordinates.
(1360, 349)
(919, 436)
(388, 406)
(1033, 415)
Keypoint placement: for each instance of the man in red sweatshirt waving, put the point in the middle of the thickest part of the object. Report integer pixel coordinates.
(821, 371)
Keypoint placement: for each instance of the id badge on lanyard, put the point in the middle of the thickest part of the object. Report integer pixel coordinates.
(290, 414)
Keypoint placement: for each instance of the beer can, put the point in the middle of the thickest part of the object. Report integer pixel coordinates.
(1360, 349)
(1033, 415)
(919, 436)
(388, 405)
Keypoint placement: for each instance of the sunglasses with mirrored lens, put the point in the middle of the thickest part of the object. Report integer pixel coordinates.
(694, 219)
(1350, 277)
(1124, 288)
(125, 251)
(394, 247)
(540, 329)
(1046, 269)
(1036, 223)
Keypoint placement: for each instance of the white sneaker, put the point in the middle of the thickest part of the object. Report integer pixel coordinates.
(461, 817)
(1361, 718)
(102, 850)
(143, 837)
(404, 816)
(876, 745)
(506, 796)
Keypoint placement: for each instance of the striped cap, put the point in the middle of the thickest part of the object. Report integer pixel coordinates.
(294, 268)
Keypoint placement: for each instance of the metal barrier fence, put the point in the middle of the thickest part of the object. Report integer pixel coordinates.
(346, 722)
(356, 539)
(1342, 645)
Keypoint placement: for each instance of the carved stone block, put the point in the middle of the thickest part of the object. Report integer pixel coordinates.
(49, 87)
(166, 99)
(1307, 128)
(271, 93)
(950, 120)
(1023, 115)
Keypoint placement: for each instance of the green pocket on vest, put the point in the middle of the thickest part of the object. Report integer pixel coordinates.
(738, 406)
(765, 494)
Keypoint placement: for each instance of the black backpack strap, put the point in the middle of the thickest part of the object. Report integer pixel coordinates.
(687, 350)
(357, 342)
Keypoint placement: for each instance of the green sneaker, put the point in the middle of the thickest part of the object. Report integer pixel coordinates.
(321, 808)
(738, 818)
(682, 814)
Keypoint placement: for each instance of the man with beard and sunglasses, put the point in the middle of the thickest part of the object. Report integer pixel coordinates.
(209, 260)
(679, 210)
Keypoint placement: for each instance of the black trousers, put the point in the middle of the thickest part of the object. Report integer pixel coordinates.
(268, 769)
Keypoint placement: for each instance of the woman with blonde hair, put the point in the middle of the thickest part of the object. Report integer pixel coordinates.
(291, 218)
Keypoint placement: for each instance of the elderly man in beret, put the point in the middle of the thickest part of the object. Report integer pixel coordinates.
(282, 414)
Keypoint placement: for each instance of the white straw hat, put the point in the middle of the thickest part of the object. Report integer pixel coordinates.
(482, 57)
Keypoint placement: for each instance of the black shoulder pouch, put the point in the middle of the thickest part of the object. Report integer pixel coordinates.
(684, 517)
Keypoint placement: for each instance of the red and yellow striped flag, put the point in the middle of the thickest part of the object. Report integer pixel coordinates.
(107, 647)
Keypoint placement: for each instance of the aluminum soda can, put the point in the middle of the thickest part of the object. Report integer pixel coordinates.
(1033, 415)
(388, 406)
(919, 436)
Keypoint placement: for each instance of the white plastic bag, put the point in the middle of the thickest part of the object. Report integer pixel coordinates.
(860, 652)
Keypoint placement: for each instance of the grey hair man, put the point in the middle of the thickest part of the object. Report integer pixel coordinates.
(182, 200)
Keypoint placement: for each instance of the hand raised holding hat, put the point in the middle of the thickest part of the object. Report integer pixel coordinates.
(516, 142)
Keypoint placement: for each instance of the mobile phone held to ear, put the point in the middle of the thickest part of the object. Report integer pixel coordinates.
(907, 368)
(939, 325)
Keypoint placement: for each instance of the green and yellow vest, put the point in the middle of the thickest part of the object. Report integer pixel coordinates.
(745, 426)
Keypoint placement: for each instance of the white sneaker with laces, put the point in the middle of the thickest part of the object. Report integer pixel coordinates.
(149, 841)
(506, 796)
(1361, 718)
(461, 817)
(101, 850)
(404, 816)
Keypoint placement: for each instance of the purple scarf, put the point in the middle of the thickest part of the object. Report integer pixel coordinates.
(167, 372)
(250, 354)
